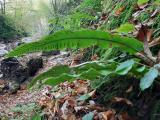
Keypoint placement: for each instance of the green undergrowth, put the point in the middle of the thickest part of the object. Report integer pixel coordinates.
(126, 87)
(115, 21)
(8, 29)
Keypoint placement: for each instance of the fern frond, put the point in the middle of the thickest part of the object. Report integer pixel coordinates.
(53, 72)
(88, 70)
(79, 39)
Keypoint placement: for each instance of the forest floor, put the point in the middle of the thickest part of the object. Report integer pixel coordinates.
(70, 101)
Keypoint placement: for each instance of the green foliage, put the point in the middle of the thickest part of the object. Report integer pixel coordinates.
(79, 39)
(148, 78)
(115, 21)
(53, 72)
(74, 21)
(58, 74)
(91, 4)
(125, 67)
(8, 30)
(36, 117)
(125, 28)
(157, 2)
(88, 116)
(27, 109)
(155, 111)
(141, 2)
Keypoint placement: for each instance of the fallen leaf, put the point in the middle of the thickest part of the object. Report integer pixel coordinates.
(122, 100)
(108, 115)
(120, 10)
(144, 33)
(72, 102)
(94, 57)
(71, 117)
(104, 16)
(81, 88)
(124, 116)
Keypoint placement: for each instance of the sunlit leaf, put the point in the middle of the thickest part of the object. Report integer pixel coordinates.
(86, 96)
(148, 78)
(125, 67)
(36, 117)
(141, 2)
(125, 28)
(141, 69)
(88, 116)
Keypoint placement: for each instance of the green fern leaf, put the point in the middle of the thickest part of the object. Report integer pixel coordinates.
(53, 72)
(62, 78)
(88, 70)
(79, 39)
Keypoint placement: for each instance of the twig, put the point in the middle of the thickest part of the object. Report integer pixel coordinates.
(154, 42)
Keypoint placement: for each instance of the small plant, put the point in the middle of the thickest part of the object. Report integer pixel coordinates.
(82, 39)
(24, 112)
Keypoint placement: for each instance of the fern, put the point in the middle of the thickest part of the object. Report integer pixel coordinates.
(89, 70)
(80, 39)
(53, 72)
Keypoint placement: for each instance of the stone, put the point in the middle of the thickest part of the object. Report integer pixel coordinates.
(13, 70)
(34, 65)
(3, 50)
(13, 87)
(51, 53)
(27, 40)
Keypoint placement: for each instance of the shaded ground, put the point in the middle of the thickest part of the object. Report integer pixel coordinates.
(9, 101)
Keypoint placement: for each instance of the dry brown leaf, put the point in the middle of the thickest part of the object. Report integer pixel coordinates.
(71, 117)
(56, 107)
(120, 10)
(124, 116)
(104, 16)
(2, 82)
(122, 100)
(144, 33)
(108, 115)
(82, 89)
(23, 87)
(96, 107)
(46, 102)
(72, 102)
(94, 57)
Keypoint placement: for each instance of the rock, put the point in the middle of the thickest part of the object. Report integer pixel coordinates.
(50, 53)
(19, 43)
(2, 46)
(34, 65)
(13, 87)
(3, 87)
(27, 40)
(12, 70)
(3, 52)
